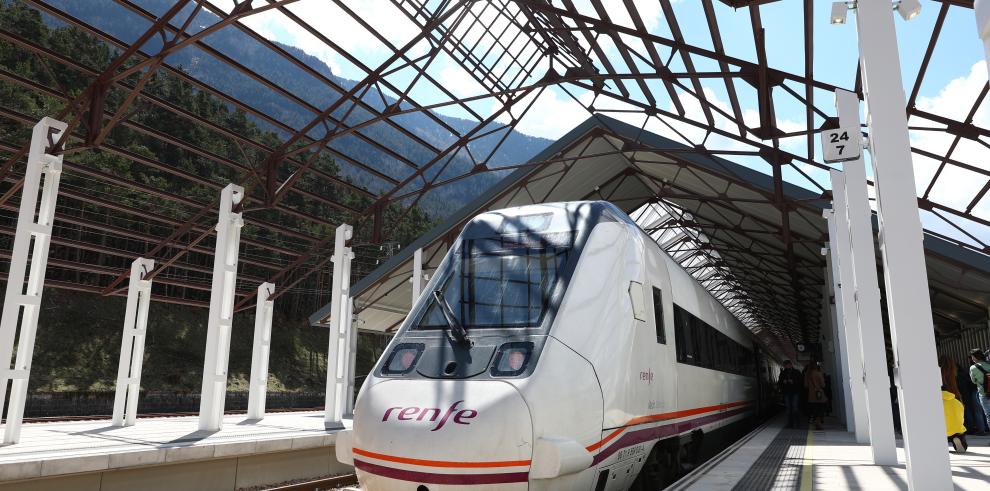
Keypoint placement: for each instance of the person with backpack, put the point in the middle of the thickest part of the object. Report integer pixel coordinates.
(791, 385)
(975, 422)
(979, 373)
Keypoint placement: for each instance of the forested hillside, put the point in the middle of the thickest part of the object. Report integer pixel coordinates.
(79, 333)
(238, 46)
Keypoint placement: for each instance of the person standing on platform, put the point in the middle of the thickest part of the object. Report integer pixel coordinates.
(814, 380)
(975, 422)
(948, 369)
(978, 373)
(955, 431)
(790, 387)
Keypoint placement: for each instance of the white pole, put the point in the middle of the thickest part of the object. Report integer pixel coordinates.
(34, 236)
(344, 354)
(221, 317)
(834, 309)
(259, 354)
(417, 276)
(982, 10)
(864, 262)
(906, 279)
(839, 242)
(336, 351)
(352, 359)
(132, 343)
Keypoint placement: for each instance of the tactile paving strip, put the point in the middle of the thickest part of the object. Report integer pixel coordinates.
(779, 466)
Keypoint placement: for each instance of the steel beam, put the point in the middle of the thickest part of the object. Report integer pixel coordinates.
(916, 372)
(261, 350)
(221, 314)
(132, 344)
(22, 303)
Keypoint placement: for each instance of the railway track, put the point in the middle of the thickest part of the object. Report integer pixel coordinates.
(324, 484)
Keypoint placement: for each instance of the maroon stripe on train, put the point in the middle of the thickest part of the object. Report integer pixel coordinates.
(433, 478)
(639, 436)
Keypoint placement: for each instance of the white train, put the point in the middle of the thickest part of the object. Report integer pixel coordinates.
(558, 348)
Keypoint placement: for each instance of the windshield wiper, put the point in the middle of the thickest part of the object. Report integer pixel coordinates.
(460, 334)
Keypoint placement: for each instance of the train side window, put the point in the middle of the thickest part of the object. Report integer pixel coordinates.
(658, 315)
(700, 344)
(682, 336)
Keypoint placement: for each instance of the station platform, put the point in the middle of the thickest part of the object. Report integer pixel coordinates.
(780, 459)
(170, 453)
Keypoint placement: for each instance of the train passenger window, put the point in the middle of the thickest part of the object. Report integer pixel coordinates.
(700, 344)
(403, 359)
(658, 315)
(512, 359)
(682, 336)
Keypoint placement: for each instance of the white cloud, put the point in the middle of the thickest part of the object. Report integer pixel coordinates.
(339, 27)
(955, 187)
(552, 115)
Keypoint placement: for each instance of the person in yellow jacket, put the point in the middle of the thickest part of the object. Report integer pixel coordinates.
(955, 430)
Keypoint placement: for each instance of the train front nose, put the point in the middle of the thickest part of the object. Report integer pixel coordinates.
(433, 435)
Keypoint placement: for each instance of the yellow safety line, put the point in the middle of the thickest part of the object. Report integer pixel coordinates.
(807, 476)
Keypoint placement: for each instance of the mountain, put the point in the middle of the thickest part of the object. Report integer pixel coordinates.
(313, 92)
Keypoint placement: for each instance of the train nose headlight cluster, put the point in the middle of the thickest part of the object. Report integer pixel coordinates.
(403, 359)
(512, 359)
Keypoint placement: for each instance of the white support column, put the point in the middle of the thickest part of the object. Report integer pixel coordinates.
(259, 354)
(351, 360)
(982, 11)
(906, 278)
(347, 335)
(833, 305)
(218, 331)
(132, 343)
(864, 262)
(846, 305)
(337, 352)
(417, 276)
(31, 239)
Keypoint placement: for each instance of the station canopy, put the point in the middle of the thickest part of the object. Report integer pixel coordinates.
(706, 115)
(717, 219)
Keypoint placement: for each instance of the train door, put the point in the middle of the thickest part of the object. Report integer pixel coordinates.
(660, 338)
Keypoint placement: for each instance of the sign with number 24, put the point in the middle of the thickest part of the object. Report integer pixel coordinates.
(841, 144)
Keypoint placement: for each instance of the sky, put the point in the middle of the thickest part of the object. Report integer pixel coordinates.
(954, 77)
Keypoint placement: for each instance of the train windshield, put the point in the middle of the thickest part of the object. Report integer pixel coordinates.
(504, 281)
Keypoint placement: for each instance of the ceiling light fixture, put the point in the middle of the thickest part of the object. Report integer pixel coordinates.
(908, 9)
(839, 12)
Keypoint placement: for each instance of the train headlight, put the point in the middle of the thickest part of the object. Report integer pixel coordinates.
(512, 359)
(403, 359)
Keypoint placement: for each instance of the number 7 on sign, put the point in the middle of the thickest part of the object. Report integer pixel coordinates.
(841, 144)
